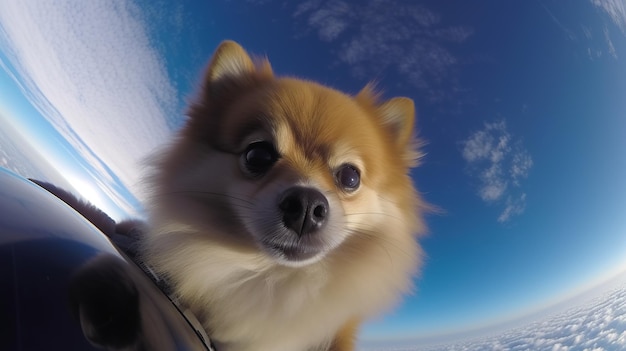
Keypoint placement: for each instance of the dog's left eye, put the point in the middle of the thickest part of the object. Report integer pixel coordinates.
(259, 157)
(348, 177)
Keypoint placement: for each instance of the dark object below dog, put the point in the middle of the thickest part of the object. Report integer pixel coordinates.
(105, 300)
(103, 294)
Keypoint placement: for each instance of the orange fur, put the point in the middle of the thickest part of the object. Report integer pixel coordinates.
(214, 224)
(345, 338)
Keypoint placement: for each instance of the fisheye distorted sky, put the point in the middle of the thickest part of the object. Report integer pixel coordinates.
(521, 104)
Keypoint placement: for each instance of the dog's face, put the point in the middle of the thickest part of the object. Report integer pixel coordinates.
(287, 167)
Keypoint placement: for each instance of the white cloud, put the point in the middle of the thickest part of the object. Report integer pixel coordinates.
(374, 36)
(331, 21)
(90, 69)
(490, 143)
(616, 9)
(500, 164)
(520, 166)
(478, 146)
(493, 189)
(513, 206)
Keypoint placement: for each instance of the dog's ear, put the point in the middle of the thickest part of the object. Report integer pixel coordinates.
(397, 116)
(231, 61)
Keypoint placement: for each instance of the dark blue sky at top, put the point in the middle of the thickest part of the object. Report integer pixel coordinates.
(542, 69)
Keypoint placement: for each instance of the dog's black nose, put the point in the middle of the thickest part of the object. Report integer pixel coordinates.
(304, 209)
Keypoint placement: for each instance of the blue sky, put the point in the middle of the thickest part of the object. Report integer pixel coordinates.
(521, 105)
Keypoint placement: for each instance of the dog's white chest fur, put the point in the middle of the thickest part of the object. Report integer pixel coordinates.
(247, 302)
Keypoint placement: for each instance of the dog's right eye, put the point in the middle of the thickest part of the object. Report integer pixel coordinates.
(259, 157)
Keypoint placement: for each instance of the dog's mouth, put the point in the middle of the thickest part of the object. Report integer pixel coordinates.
(292, 252)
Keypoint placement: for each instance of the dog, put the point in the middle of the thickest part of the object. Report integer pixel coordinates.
(283, 213)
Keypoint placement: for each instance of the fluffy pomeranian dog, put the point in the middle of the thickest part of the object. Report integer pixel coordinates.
(283, 213)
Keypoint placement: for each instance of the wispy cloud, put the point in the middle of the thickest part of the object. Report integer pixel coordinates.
(616, 9)
(568, 33)
(91, 70)
(609, 43)
(375, 36)
(513, 206)
(589, 32)
(500, 164)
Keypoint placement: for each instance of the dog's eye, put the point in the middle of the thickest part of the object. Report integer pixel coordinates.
(259, 157)
(348, 177)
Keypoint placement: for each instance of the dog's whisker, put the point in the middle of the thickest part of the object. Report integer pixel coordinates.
(388, 215)
(373, 232)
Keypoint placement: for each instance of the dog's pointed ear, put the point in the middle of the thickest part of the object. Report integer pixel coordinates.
(230, 60)
(397, 116)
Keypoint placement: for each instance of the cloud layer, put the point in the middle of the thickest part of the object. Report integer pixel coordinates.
(91, 70)
(378, 36)
(500, 164)
(597, 326)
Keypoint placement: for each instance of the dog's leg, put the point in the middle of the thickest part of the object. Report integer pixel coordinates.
(344, 340)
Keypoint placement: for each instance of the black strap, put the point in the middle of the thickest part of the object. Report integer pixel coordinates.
(128, 243)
